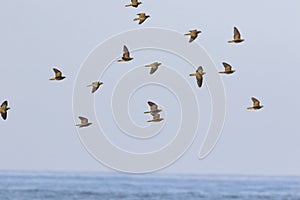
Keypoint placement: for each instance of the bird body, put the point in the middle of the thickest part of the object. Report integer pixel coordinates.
(84, 122)
(3, 109)
(141, 17)
(193, 34)
(256, 104)
(154, 66)
(58, 75)
(156, 118)
(236, 36)
(134, 3)
(228, 69)
(126, 55)
(95, 86)
(199, 76)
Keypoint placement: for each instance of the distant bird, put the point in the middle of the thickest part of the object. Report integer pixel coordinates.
(199, 76)
(153, 109)
(156, 118)
(256, 104)
(193, 34)
(3, 109)
(134, 3)
(236, 37)
(228, 69)
(84, 122)
(142, 17)
(126, 55)
(95, 86)
(154, 67)
(58, 75)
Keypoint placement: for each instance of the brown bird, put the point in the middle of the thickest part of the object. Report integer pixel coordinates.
(156, 118)
(142, 17)
(58, 75)
(153, 109)
(126, 55)
(154, 66)
(256, 104)
(228, 69)
(193, 34)
(84, 122)
(236, 36)
(3, 109)
(134, 3)
(199, 76)
(95, 86)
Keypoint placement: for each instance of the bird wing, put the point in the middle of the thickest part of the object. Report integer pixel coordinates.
(192, 38)
(152, 105)
(227, 66)
(4, 105)
(95, 88)
(4, 115)
(57, 72)
(255, 102)
(134, 1)
(153, 69)
(199, 70)
(236, 34)
(126, 53)
(83, 120)
(142, 20)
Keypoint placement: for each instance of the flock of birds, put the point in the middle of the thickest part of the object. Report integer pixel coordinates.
(154, 110)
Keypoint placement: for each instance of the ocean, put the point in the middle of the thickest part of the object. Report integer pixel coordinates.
(109, 186)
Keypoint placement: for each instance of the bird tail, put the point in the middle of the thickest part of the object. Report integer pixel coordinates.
(121, 60)
(231, 41)
(89, 85)
(193, 75)
(222, 73)
(250, 108)
(187, 34)
(135, 19)
(128, 5)
(52, 79)
(147, 112)
(150, 121)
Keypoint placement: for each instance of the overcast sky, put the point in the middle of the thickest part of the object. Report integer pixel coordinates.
(39, 133)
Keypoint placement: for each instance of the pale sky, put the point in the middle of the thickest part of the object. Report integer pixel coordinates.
(36, 36)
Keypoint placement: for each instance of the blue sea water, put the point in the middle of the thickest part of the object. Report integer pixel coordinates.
(108, 186)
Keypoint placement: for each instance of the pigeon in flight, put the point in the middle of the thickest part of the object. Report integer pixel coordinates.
(154, 66)
(84, 122)
(134, 3)
(95, 86)
(256, 104)
(193, 34)
(199, 76)
(141, 17)
(228, 69)
(58, 75)
(236, 36)
(3, 109)
(126, 55)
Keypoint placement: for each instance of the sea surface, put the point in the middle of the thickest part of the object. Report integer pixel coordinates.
(108, 186)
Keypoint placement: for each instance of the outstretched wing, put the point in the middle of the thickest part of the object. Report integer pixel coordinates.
(57, 72)
(237, 34)
(152, 105)
(227, 66)
(83, 120)
(255, 102)
(200, 70)
(4, 104)
(199, 80)
(4, 115)
(126, 53)
(153, 69)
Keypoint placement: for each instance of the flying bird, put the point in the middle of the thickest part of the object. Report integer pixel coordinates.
(256, 104)
(199, 76)
(134, 3)
(3, 109)
(126, 55)
(84, 122)
(142, 17)
(58, 75)
(193, 34)
(236, 37)
(95, 86)
(156, 118)
(153, 109)
(228, 69)
(154, 66)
